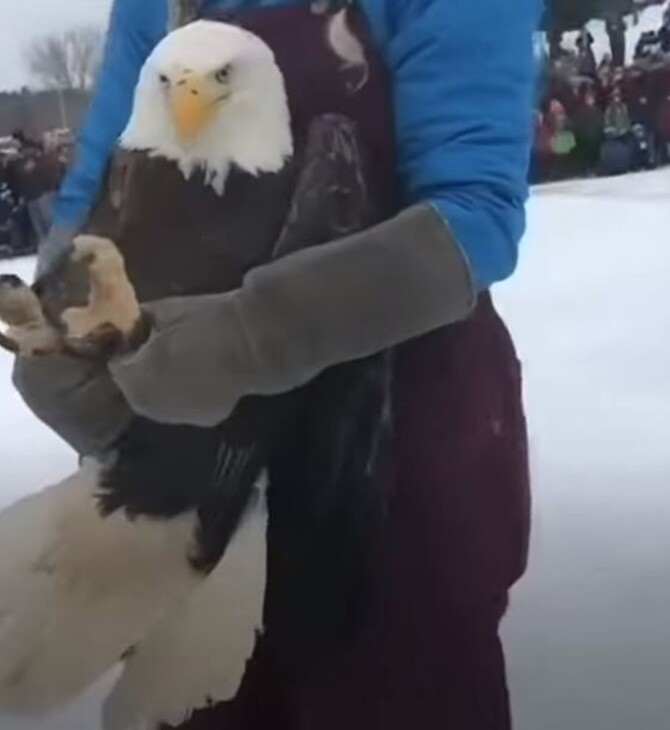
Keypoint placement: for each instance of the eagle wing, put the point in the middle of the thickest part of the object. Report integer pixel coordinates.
(326, 506)
(331, 198)
(192, 658)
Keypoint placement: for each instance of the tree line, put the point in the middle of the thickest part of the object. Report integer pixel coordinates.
(62, 67)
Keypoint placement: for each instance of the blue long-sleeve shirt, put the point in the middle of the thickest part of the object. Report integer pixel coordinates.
(463, 76)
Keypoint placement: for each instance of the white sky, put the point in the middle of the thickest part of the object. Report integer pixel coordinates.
(24, 19)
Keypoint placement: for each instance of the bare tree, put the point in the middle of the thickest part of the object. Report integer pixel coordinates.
(66, 61)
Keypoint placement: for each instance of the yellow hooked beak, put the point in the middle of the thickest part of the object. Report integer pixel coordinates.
(194, 102)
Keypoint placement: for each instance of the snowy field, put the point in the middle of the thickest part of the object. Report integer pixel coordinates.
(588, 637)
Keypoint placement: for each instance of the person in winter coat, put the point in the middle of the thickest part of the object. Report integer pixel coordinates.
(663, 129)
(541, 154)
(616, 30)
(603, 85)
(645, 138)
(24, 143)
(648, 47)
(588, 126)
(616, 155)
(555, 41)
(641, 110)
(605, 65)
(11, 235)
(17, 231)
(543, 67)
(617, 117)
(587, 58)
(37, 174)
(562, 142)
(664, 32)
(458, 498)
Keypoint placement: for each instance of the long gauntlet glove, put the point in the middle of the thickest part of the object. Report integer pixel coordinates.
(295, 317)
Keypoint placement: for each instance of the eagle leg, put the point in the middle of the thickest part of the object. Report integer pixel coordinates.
(112, 303)
(28, 332)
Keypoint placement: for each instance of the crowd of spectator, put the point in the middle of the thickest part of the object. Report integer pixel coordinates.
(603, 118)
(592, 118)
(28, 168)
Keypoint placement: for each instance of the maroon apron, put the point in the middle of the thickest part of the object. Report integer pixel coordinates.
(458, 491)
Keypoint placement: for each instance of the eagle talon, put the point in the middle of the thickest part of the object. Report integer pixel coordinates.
(7, 343)
(28, 332)
(112, 306)
(101, 343)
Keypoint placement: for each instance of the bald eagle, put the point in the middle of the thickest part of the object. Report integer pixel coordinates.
(156, 551)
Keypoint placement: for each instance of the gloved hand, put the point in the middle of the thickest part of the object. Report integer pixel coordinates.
(297, 316)
(53, 247)
(76, 398)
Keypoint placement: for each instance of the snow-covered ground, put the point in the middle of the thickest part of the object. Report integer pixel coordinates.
(588, 637)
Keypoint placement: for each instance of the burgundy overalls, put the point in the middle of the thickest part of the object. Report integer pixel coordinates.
(458, 491)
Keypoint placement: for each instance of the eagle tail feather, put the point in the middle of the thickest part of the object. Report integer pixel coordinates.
(197, 654)
(78, 589)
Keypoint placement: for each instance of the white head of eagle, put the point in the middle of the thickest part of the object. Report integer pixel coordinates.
(212, 97)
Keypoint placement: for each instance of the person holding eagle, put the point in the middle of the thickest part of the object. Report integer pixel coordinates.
(358, 172)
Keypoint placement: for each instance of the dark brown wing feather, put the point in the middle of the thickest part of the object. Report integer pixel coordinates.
(330, 200)
(331, 197)
(326, 505)
(321, 444)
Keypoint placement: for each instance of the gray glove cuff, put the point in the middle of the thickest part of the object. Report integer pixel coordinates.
(354, 297)
(53, 247)
(297, 316)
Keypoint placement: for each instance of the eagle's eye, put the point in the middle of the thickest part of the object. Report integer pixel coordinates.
(165, 81)
(223, 74)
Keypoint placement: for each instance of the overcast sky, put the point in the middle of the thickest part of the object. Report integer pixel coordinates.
(28, 18)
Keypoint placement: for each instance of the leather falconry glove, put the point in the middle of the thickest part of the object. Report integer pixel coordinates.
(297, 316)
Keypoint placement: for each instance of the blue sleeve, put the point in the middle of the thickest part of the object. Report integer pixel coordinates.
(463, 73)
(134, 29)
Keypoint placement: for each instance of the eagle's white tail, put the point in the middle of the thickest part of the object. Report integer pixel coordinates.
(198, 653)
(77, 590)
